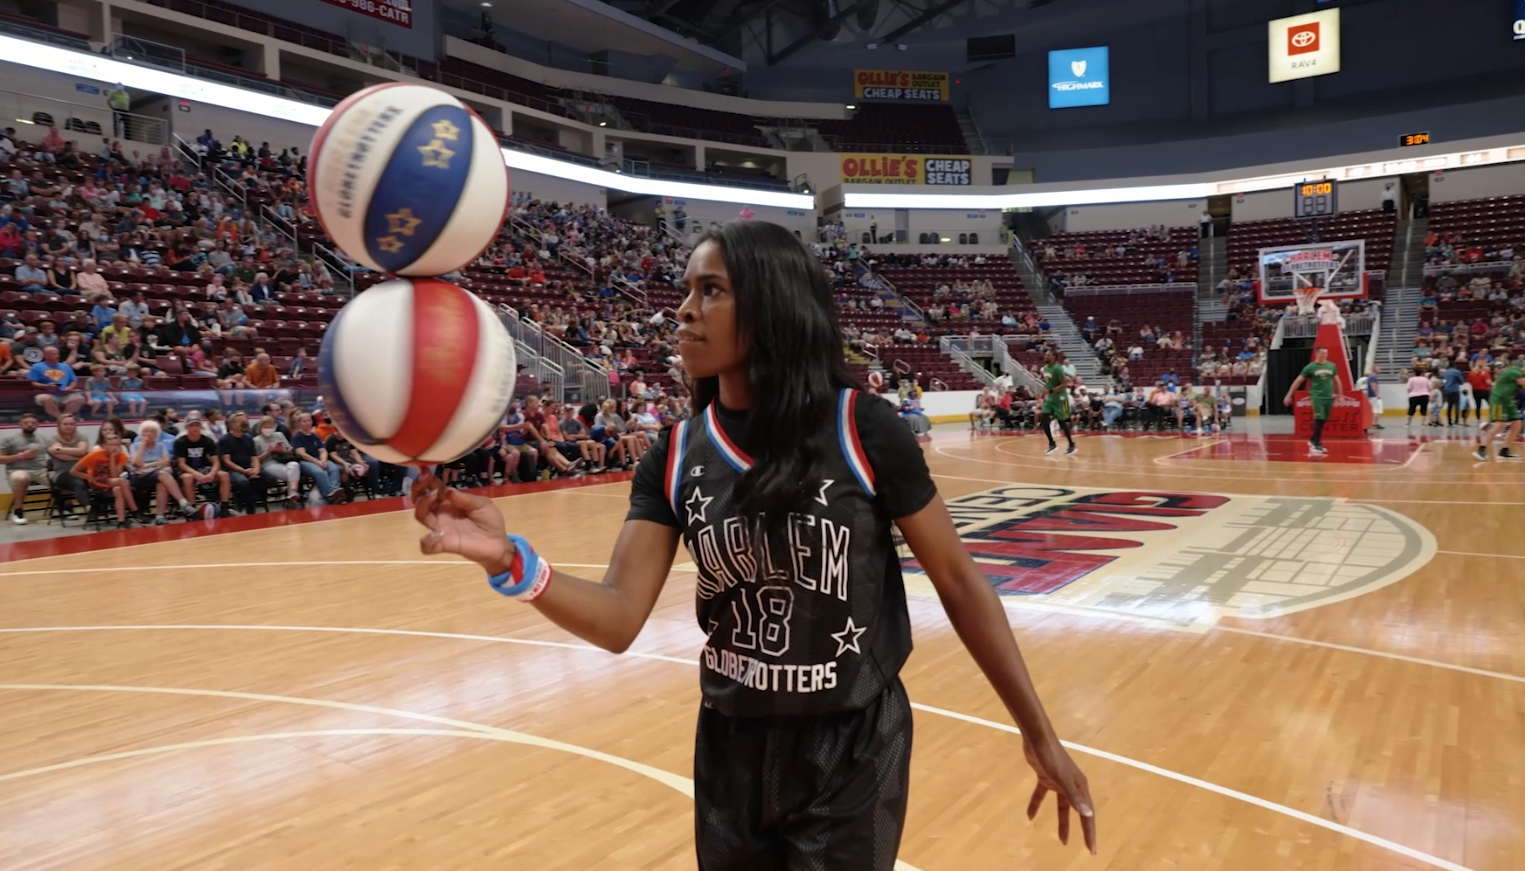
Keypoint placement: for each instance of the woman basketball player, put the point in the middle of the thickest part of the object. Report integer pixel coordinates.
(804, 738)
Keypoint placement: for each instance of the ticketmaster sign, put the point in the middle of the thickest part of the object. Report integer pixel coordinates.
(1078, 77)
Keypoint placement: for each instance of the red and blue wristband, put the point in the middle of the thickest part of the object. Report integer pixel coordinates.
(528, 574)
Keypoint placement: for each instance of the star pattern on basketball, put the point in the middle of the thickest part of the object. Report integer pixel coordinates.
(847, 639)
(402, 221)
(445, 130)
(389, 244)
(436, 154)
(696, 515)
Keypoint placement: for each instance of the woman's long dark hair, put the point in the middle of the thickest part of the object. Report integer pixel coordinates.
(787, 321)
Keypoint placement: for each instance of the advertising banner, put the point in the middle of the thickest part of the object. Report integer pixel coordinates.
(1079, 77)
(1305, 45)
(923, 87)
(907, 169)
(1519, 19)
(398, 12)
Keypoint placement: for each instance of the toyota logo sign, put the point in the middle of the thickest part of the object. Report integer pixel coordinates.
(1304, 39)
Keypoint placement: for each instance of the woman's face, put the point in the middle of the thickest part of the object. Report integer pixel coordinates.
(707, 335)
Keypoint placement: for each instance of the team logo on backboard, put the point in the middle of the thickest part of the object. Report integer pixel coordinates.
(1183, 558)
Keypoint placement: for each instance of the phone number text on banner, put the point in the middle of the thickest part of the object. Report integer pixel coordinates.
(398, 12)
(906, 169)
(900, 85)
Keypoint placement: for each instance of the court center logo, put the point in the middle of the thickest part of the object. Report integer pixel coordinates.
(1182, 558)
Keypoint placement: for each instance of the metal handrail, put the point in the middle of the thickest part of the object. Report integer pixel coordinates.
(1129, 289)
(1467, 268)
(937, 384)
(140, 129)
(904, 300)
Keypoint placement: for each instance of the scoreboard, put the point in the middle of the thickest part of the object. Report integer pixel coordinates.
(1315, 199)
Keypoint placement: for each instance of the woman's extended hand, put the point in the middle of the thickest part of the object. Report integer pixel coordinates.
(461, 523)
(1057, 773)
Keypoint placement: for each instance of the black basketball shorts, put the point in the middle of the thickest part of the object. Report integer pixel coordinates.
(803, 793)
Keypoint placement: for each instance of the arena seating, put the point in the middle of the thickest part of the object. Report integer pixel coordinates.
(920, 283)
(889, 127)
(1096, 256)
(1246, 238)
(1168, 312)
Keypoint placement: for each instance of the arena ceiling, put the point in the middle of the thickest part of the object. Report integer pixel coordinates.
(729, 24)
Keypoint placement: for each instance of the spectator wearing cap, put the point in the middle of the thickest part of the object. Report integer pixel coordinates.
(199, 463)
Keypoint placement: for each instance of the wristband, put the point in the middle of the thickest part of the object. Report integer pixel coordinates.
(528, 574)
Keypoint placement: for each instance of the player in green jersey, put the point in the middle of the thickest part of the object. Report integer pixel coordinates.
(1056, 402)
(1321, 376)
(1503, 411)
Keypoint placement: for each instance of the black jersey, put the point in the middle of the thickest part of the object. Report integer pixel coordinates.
(816, 621)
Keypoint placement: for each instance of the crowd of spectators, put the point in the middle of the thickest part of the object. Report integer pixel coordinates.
(281, 454)
(1453, 249)
(1170, 404)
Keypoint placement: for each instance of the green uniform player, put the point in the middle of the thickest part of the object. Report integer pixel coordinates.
(1503, 412)
(1056, 402)
(1320, 376)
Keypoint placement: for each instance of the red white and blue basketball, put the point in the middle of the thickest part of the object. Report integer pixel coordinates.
(416, 371)
(407, 179)
(206, 511)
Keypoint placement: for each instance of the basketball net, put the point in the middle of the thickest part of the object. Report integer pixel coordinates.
(1307, 298)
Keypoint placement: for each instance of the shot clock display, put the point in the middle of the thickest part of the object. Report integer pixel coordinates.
(1315, 199)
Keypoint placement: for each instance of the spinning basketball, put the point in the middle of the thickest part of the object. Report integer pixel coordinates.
(408, 180)
(416, 371)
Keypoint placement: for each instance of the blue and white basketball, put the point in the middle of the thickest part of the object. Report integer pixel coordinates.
(408, 180)
(416, 371)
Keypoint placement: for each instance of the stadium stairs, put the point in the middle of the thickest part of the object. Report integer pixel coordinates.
(1400, 314)
(1027, 268)
(1408, 253)
(1062, 328)
(1210, 310)
(971, 130)
(1212, 266)
(1400, 321)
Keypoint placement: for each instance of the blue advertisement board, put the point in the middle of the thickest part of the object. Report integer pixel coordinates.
(1079, 77)
(1519, 19)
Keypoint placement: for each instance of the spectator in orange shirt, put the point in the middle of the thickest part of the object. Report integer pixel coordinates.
(261, 375)
(102, 471)
(323, 426)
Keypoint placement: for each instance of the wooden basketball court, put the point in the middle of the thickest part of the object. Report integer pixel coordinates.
(1265, 662)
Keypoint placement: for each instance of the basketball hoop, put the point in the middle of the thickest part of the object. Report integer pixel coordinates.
(1307, 298)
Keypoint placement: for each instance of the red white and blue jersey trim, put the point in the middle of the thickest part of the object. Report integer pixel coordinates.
(852, 447)
(734, 456)
(677, 446)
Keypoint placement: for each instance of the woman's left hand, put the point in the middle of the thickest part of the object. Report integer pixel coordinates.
(1057, 773)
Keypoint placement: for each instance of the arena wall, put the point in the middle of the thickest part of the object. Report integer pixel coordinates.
(1128, 216)
(1471, 184)
(553, 189)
